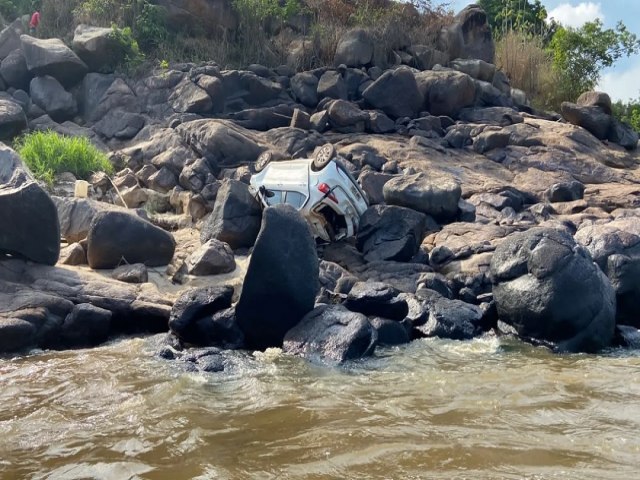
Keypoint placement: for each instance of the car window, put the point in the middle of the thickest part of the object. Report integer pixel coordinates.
(274, 199)
(295, 199)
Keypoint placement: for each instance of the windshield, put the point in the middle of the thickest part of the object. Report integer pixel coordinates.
(295, 199)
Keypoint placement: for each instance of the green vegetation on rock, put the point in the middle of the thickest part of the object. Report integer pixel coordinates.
(48, 154)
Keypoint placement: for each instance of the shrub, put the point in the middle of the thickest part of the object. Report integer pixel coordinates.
(48, 154)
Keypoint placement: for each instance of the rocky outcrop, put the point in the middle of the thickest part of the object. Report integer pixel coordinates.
(549, 290)
(30, 226)
(281, 281)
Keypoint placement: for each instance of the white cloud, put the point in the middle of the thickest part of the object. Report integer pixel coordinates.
(576, 16)
(622, 85)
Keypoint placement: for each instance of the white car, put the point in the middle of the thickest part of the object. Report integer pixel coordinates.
(322, 189)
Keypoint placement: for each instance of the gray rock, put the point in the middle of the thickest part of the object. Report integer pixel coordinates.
(215, 89)
(376, 299)
(623, 134)
(390, 332)
(426, 57)
(451, 319)
(373, 183)
(591, 118)
(30, 226)
(73, 254)
(332, 85)
(565, 192)
(14, 71)
(304, 87)
(390, 233)
(355, 48)
(478, 69)
(235, 218)
(120, 125)
(163, 180)
(346, 117)
(47, 93)
(134, 273)
(445, 92)
(549, 290)
(435, 196)
(85, 326)
(98, 48)
(12, 119)
(595, 99)
(16, 334)
(10, 38)
(52, 57)
(212, 258)
(115, 237)
(469, 36)
(275, 296)
(499, 116)
(190, 98)
(331, 333)
(378, 122)
(396, 93)
(490, 140)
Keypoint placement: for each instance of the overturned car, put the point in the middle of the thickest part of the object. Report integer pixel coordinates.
(321, 188)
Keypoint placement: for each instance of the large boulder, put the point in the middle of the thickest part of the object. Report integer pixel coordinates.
(478, 69)
(14, 71)
(396, 93)
(12, 119)
(235, 218)
(595, 99)
(220, 141)
(376, 299)
(190, 98)
(212, 258)
(615, 247)
(390, 233)
(52, 57)
(119, 237)
(452, 319)
(591, 118)
(282, 278)
(446, 92)
(304, 86)
(549, 290)
(85, 326)
(98, 48)
(623, 134)
(47, 93)
(30, 226)
(10, 38)
(332, 333)
(469, 36)
(355, 48)
(437, 196)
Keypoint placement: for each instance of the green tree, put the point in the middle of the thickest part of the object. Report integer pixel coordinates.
(520, 15)
(580, 54)
(628, 112)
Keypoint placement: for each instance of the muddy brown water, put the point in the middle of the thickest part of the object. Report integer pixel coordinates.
(486, 409)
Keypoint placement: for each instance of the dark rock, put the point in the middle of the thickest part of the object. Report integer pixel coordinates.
(451, 319)
(435, 196)
(98, 48)
(247, 87)
(478, 69)
(212, 258)
(300, 119)
(85, 326)
(192, 314)
(373, 183)
(445, 92)
(10, 37)
(355, 48)
(459, 136)
(47, 93)
(376, 299)
(595, 99)
(436, 282)
(235, 218)
(469, 36)
(264, 118)
(380, 123)
(275, 296)
(426, 57)
(115, 237)
(190, 98)
(396, 93)
(52, 57)
(304, 87)
(30, 226)
(390, 332)
(120, 125)
(215, 89)
(499, 116)
(332, 85)
(16, 334)
(592, 119)
(623, 134)
(12, 119)
(14, 70)
(163, 180)
(565, 192)
(331, 333)
(628, 337)
(549, 289)
(134, 273)
(491, 139)
(390, 233)
(347, 117)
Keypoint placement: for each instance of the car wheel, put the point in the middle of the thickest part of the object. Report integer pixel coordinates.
(322, 158)
(263, 160)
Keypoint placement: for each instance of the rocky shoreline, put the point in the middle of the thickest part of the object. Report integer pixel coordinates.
(486, 215)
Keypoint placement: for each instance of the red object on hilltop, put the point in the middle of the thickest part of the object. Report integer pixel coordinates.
(35, 20)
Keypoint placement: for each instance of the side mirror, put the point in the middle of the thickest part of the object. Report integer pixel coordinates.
(265, 192)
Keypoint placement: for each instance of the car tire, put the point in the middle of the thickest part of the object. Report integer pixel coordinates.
(323, 156)
(262, 161)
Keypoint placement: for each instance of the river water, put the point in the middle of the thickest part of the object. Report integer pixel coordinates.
(486, 409)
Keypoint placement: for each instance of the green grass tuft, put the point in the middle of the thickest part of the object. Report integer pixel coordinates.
(48, 154)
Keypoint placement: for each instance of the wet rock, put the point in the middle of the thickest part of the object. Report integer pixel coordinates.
(331, 333)
(390, 233)
(235, 218)
(453, 319)
(16, 334)
(30, 226)
(117, 236)
(85, 326)
(134, 273)
(390, 332)
(549, 289)
(192, 315)
(355, 48)
(47, 93)
(376, 299)
(435, 196)
(396, 93)
(212, 258)
(52, 57)
(275, 296)
(628, 337)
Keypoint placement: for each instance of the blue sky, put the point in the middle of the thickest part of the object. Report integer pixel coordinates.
(622, 81)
